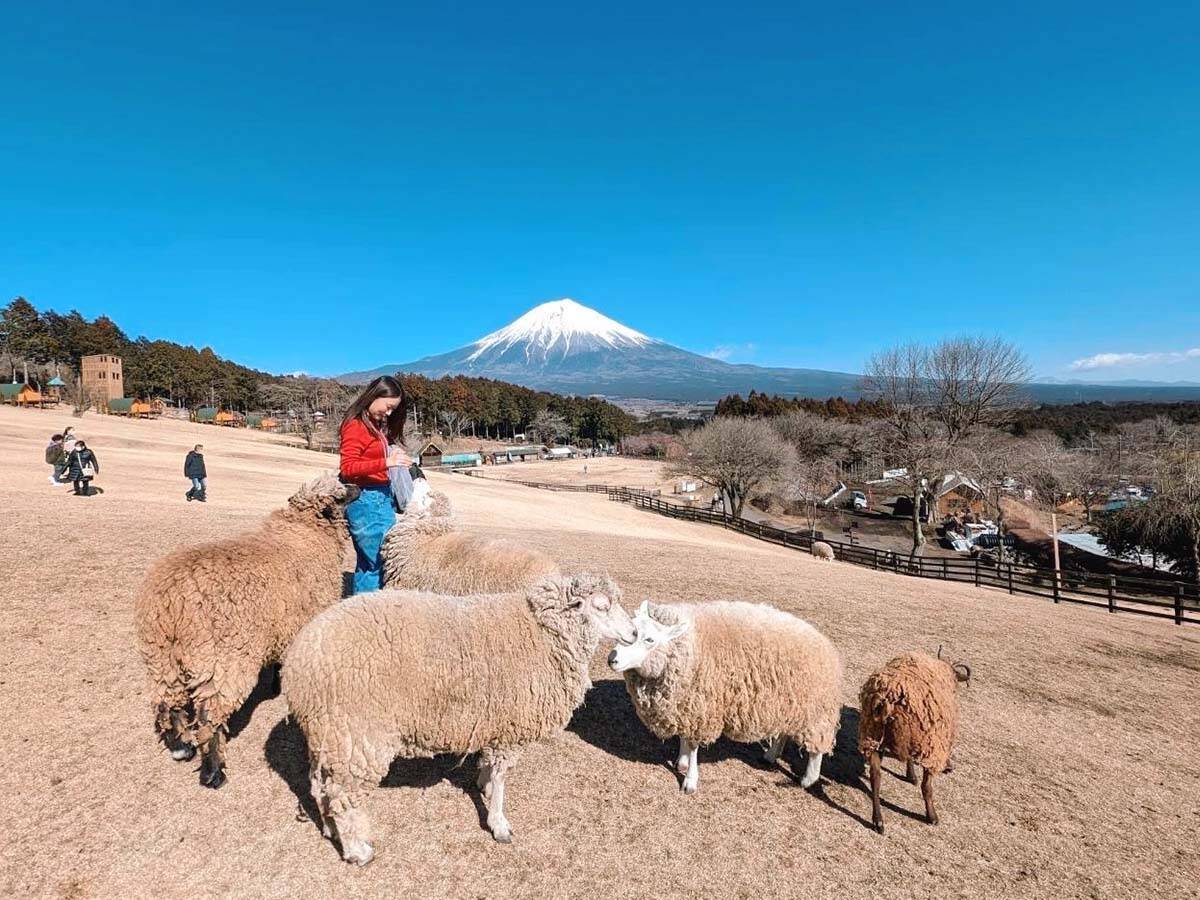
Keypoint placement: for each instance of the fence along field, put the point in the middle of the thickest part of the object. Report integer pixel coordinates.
(1177, 601)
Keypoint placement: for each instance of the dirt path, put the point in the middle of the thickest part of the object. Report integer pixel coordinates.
(1078, 772)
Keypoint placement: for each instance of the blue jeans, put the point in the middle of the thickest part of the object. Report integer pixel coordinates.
(199, 484)
(370, 517)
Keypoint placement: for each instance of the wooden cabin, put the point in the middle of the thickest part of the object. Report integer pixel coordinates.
(21, 395)
(261, 422)
(230, 419)
(54, 389)
(521, 453)
(430, 455)
(120, 406)
(958, 495)
(206, 415)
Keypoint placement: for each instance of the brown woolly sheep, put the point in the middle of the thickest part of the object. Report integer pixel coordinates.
(744, 670)
(210, 617)
(822, 550)
(423, 552)
(405, 673)
(909, 710)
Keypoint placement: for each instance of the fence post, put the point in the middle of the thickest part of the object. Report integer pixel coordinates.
(1112, 593)
(1179, 603)
(1010, 589)
(945, 568)
(1056, 586)
(875, 558)
(977, 571)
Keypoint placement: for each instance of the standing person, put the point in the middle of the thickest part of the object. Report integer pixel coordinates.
(193, 468)
(57, 457)
(82, 466)
(372, 440)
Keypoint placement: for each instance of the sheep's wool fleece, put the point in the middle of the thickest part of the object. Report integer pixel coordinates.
(910, 710)
(425, 553)
(747, 671)
(404, 673)
(209, 617)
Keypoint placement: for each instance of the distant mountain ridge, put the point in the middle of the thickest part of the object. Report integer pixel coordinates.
(566, 347)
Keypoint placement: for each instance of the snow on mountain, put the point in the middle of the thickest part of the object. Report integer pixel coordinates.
(558, 324)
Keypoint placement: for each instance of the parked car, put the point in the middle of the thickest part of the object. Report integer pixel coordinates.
(858, 501)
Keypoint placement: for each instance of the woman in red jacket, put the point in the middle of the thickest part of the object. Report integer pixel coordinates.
(372, 440)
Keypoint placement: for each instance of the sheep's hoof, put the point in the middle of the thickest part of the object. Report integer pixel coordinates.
(878, 827)
(502, 834)
(932, 820)
(689, 788)
(212, 778)
(359, 855)
(183, 753)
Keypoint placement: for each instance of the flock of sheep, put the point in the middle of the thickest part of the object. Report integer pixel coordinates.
(483, 646)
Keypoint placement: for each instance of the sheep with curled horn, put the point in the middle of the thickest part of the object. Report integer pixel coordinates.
(909, 710)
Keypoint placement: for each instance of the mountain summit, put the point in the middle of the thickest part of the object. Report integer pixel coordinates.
(570, 348)
(554, 331)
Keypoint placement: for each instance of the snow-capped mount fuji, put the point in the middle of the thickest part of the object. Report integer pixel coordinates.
(569, 348)
(554, 331)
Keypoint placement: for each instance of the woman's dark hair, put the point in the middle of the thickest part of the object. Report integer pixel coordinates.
(383, 386)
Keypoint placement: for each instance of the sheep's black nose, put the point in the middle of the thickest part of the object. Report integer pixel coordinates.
(612, 658)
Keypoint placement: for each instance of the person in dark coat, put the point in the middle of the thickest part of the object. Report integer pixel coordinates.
(82, 467)
(193, 468)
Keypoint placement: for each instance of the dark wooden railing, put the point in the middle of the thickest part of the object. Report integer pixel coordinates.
(1178, 601)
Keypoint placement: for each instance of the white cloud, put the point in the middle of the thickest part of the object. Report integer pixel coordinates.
(727, 352)
(1112, 360)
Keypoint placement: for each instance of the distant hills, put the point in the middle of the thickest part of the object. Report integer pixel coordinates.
(566, 347)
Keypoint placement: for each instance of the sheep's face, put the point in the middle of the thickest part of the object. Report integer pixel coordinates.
(325, 497)
(599, 598)
(648, 651)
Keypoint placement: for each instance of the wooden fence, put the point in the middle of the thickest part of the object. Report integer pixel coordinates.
(1174, 600)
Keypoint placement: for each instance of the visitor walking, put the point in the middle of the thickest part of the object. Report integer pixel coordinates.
(82, 467)
(372, 441)
(193, 468)
(56, 457)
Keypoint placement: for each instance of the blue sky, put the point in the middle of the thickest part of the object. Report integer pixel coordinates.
(329, 187)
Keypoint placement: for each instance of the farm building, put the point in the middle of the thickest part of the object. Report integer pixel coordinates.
(230, 419)
(206, 415)
(140, 409)
(102, 378)
(21, 395)
(519, 453)
(561, 453)
(957, 495)
(121, 406)
(430, 455)
(462, 459)
(261, 422)
(54, 389)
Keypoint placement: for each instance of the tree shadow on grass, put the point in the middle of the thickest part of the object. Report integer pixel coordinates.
(286, 753)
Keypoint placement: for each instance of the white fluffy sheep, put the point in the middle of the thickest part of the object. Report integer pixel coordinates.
(210, 617)
(909, 710)
(747, 671)
(404, 673)
(822, 550)
(424, 552)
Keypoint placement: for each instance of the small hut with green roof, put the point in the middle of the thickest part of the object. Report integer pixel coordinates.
(207, 415)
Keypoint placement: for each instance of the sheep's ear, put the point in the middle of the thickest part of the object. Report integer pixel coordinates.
(962, 672)
(644, 609)
(676, 631)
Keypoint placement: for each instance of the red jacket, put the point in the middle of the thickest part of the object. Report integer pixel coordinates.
(364, 454)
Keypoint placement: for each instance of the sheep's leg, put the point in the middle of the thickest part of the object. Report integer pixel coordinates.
(776, 749)
(181, 739)
(813, 769)
(876, 813)
(681, 761)
(498, 765)
(484, 780)
(691, 781)
(212, 761)
(927, 793)
(910, 772)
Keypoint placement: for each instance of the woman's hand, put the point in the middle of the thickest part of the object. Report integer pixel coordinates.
(398, 457)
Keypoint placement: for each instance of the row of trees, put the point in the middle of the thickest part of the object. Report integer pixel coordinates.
(35, 346)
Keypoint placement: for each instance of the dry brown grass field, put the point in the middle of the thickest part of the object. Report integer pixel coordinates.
(1078, 763)
(621, 471)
